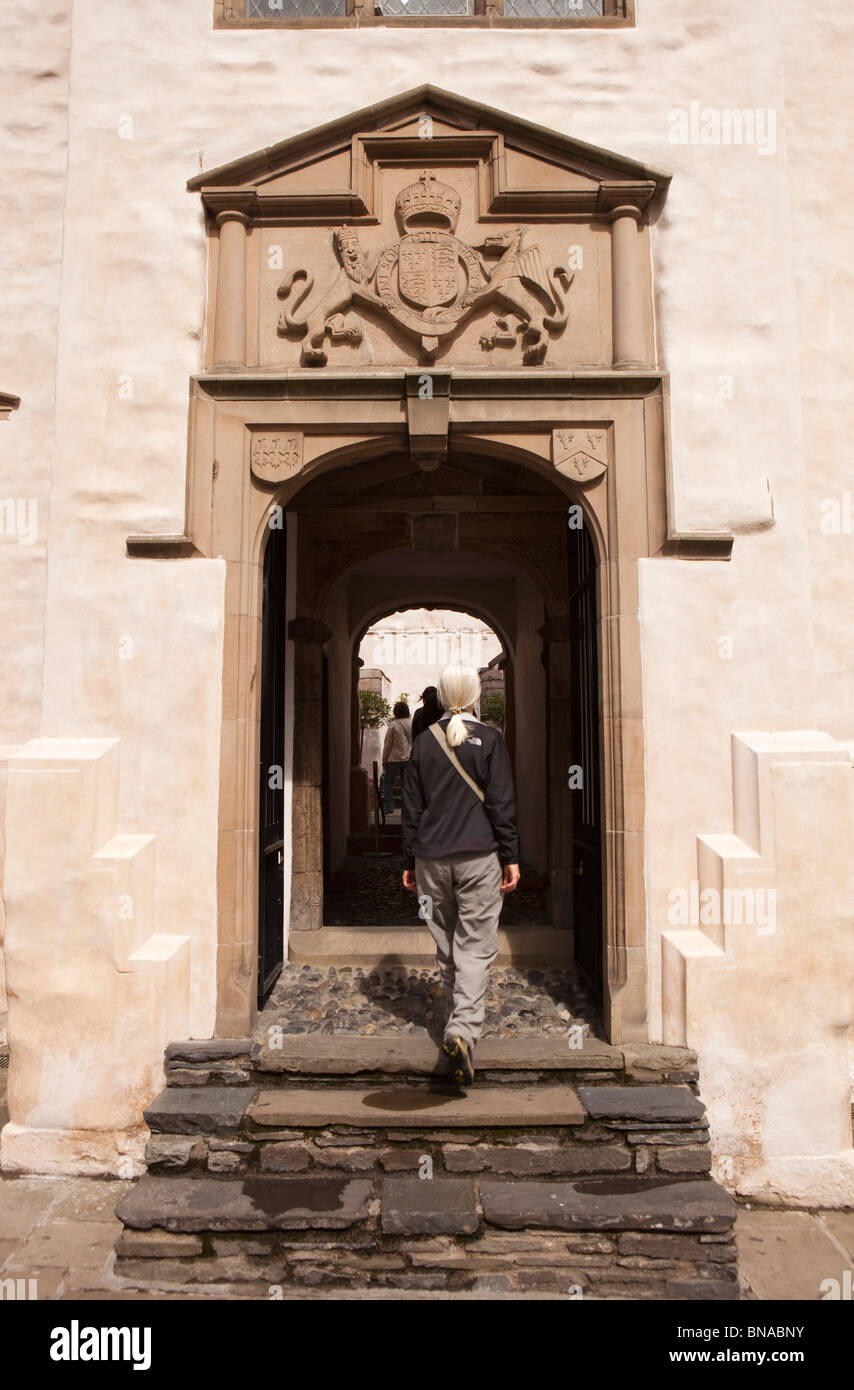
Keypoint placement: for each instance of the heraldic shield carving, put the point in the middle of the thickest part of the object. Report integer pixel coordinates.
(429, 282)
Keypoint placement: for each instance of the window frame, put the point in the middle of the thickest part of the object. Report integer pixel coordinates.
(489, 14)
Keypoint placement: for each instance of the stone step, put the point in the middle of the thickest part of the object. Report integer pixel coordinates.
(615, 1237)
(412, 946)
(345, 1163)
(342, 1057)
(391, 1055)
(221, 1110)
(509, 1130)
(415, 1106)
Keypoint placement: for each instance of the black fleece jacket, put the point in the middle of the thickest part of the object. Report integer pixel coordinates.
(442, 815)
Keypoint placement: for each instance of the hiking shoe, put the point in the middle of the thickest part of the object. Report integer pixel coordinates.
(458, 1053)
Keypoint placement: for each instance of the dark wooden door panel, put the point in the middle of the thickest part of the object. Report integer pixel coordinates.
(271, 847)
(586, 798)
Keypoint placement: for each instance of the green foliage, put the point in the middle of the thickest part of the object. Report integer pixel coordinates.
(492, 710)
(374, 712)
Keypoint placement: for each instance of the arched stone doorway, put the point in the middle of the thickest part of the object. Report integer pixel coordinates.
(622, 506)
(494, 537)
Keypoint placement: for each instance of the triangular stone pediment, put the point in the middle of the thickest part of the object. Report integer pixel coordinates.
(332, 170)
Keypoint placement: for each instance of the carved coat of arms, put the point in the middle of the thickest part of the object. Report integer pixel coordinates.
(429, 282)
(276, 456)
(580, 454)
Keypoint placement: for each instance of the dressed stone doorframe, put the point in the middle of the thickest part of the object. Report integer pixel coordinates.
(245, 426)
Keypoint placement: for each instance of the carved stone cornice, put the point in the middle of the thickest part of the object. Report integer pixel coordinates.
(466, 383)
(624, 198)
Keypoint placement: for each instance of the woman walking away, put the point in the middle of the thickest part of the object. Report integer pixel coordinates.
(459, 835)
(430, 712)
(397, 747)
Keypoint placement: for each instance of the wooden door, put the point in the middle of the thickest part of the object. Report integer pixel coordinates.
(271, 821)
(586, 796)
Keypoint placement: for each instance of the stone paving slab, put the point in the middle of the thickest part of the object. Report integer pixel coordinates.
(345, 1056)
(23, 1203)
(412, 1106)
(65, 1245)
(840, 1224)
(199, 1109)
(251, 1204)
(413, 1207)
(642, 1104)
(610, 1203)
(87, 1199)
(789, 1254)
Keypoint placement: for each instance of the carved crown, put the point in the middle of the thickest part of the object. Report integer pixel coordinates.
(428, 198)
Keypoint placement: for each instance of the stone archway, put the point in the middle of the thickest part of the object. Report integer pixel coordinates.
(242, 529)
(424, 597)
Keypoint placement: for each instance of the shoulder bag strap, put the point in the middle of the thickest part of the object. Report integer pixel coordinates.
(439, 734)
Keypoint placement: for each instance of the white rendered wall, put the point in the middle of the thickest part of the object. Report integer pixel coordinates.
(749, 299)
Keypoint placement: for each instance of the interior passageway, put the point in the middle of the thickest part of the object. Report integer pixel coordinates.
(381, 543)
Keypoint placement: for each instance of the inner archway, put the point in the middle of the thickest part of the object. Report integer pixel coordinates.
(496, 540)
(395, 657)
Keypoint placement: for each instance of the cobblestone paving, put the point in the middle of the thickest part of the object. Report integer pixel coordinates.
(345, 999)
(367, 892)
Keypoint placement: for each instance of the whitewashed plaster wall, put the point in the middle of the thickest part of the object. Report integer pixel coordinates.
(739, 233)
(821, 174)
(33, 136)
(34, 92)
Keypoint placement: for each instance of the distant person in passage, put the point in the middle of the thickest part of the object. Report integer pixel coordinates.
(397, 747)
(430, 712)
(459, 835)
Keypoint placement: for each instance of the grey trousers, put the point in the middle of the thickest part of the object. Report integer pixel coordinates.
(465, 900)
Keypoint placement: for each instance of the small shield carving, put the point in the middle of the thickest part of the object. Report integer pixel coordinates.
(276, 456)
(580, 454)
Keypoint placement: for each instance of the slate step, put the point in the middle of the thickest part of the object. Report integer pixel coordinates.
(620, 1202)
(310, 1055)
(618, 1237)
(211, 1110)
(221, 1110)
(416, 1107)
(511, 1130)
(337, 1058)
(253, 1204)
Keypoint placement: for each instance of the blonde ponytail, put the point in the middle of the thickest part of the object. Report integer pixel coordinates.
(459, 687)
